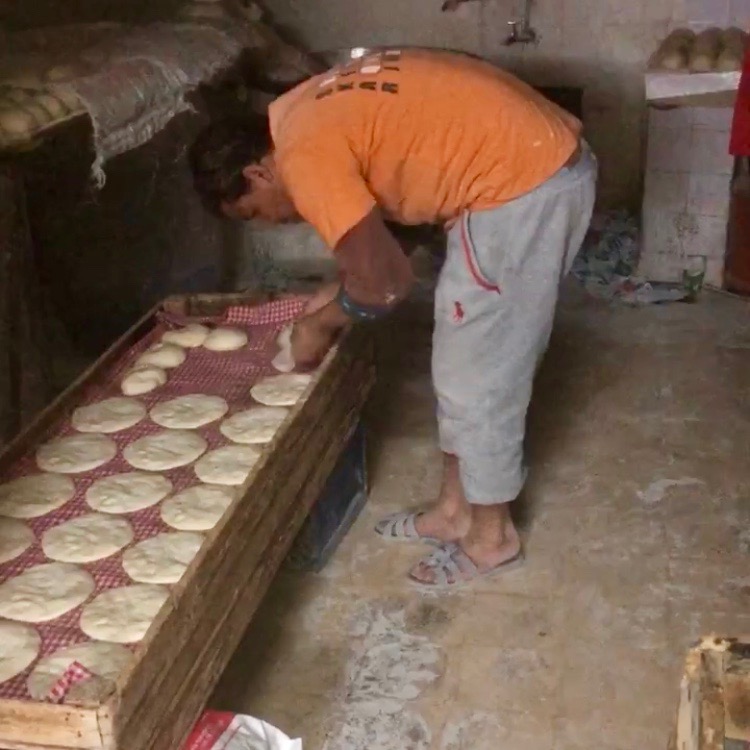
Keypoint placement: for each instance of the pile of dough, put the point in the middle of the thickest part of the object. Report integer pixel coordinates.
(35, 496)
(284, 360)
(142, 380)
(127, 492)
(189, 412)
(19, 646)
(165, 450)
(76, 454)
(15, 538)
(254, 426)
(110, 415)
(163, 558)
(674, 51)
(105, 661)
(197, 508)
(189, 337)
(229, 466)
(123, 615)
(225, 339)
(162, 355)
(44, 592)
(734, 41)
(281, 390)
(705, 51)
(87, 538)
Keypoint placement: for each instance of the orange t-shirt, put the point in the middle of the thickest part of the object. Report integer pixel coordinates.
(425, 135)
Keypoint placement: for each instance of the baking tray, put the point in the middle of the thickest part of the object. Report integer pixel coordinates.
(156, 701)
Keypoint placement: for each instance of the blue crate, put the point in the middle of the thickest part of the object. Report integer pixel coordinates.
(343, 497)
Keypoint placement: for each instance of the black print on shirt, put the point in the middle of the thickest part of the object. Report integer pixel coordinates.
(374, 68)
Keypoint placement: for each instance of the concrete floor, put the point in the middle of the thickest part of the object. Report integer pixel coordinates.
(636, 524)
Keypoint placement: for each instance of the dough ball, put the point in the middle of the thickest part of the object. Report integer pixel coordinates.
(163, 558)
(87, 538)
(190, 336)
(44, 592)
(197, 508)
(284, 361)
(165, 450)
(106, 661)
(110, 415)
(189, 412)
(35, 496)
(15, 538)
(123, 615)
(225, 339)
(142, 380)
(281, 390)
(19, 646)
(254, 426)
(17, 122)
(76, 454)
(228, 466)
(162, 355)
(127, 492)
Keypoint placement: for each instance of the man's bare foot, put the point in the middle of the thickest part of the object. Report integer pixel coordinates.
(450, 518)
(491, 541)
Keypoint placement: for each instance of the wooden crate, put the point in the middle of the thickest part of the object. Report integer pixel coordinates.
(714, 709)
(177, 665)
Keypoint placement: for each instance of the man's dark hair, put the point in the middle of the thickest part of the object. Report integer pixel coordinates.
(220, 153)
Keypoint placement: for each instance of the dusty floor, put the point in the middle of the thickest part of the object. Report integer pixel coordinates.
(636, 522)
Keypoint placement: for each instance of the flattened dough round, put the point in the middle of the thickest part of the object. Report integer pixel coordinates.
(189, 412)
(19, 646)
(167, 449)
(163, 558)
(110, 415)
(281, 390)
(189, 337)
(44, 592)
(142, 380)
(230, 465)
(254, 426)
(87, 538)
(76, 454)
(162, 355)
(225, 339)
(104, 660)
(124, 614)
(35, 495)
(127, 492)
(15, 538)
(197, 508)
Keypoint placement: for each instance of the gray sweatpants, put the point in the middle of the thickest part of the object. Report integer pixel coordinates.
(494, 308)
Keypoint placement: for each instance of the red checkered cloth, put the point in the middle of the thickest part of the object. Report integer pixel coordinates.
(74, 674)
(226, 374)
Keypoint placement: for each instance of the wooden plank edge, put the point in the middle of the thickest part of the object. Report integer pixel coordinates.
(253, 561)
(46, 724)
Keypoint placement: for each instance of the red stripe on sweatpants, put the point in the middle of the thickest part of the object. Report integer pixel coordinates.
(470, 260)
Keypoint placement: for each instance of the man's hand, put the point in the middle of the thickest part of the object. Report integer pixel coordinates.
(311, 341)
(327, 293)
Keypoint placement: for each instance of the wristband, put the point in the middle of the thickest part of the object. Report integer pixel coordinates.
(358, 311)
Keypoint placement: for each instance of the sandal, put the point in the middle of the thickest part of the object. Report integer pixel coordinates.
(454, 569)
(401, 527)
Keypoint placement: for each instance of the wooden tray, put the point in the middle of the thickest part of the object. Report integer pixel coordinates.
(157, 700)
(714, 709)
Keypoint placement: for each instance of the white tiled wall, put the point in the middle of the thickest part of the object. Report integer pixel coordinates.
(686, 200)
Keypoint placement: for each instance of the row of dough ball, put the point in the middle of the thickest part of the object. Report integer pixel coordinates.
(713, 49)
(149, 370)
